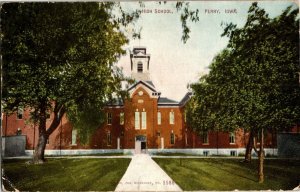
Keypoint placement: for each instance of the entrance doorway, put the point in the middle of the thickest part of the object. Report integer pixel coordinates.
(140, 144)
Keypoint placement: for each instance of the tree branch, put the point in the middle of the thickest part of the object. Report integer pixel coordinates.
(59, 111)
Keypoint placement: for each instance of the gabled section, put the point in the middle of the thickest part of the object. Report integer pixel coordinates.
(147, 86)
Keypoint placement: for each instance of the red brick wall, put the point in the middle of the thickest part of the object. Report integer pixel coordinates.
(184, 137)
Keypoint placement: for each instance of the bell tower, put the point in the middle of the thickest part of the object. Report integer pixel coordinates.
(140, 64)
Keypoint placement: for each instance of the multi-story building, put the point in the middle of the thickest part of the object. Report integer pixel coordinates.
(144, 122)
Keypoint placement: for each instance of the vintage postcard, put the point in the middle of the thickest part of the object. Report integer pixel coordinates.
(150, 96)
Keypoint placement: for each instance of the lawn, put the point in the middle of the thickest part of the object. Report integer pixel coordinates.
(231, 174)
(66, 174)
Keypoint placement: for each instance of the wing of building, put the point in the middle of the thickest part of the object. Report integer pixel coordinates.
(146, 122)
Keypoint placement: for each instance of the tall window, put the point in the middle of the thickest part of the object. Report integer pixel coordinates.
(109, 118)
(20, 113)
(172, 139)
(137, 120)
(74, 136)
(140, 67)
(122, 118)
(108, 138)
(159, 118)
(205, 137)
(144, 120)
(172, 118)
(232, 138)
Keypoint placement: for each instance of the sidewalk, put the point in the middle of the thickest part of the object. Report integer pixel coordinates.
(143, 174)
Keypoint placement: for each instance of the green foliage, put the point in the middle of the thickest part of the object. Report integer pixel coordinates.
(254, 82)
(186, 14)
(59, 57)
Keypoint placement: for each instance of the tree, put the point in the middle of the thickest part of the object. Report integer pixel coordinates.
(59, 58)
(254, 81)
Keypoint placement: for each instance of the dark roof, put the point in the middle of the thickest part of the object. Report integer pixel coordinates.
(115, 102)
(164, 101)
(186, 98)
(150, 83)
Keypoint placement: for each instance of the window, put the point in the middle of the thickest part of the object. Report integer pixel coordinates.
(137, 120)
(159, 118)
(108, 138)
(140, 67)
(74, 137)
(109, 118)
(205, 153)
(121, 118)
(144, 120)
(205, 137)
(172, 138)
(172, 117)
(232, 138)
(20, 113)
(232, 153)
(48, 142)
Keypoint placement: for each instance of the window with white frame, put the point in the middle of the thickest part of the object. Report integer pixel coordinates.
(205, 137)
(108, 137)
(159, 118)
(137, 120)
(20, 113)
(109, 118)
(74, 137)
(172, 118)
(232, 138)
(121, 118)
(144, 120)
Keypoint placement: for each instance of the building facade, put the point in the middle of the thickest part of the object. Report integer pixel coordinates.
(145, 122)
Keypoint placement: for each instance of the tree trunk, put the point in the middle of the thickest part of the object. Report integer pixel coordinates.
(59, 111)
(39, 152)
(261, 158)
(38, 156)
(249, 147)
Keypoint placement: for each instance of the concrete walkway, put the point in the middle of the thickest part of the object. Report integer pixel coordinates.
(143, 174)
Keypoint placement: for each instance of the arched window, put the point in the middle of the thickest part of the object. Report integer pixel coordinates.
(140, 67)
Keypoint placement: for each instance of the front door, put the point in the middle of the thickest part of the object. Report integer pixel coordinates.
(140, 144)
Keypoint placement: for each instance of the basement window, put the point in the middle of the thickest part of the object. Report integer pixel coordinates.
(232, 153)
(205, 153)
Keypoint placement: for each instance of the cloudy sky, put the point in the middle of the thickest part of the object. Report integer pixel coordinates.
(174, 64)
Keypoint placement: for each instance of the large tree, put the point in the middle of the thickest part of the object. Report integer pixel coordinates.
(59, 58)
(254, 83)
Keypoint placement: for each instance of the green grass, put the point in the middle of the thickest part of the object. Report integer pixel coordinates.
(174, 154)
(231, 174)
(97, 154)
(66, 174)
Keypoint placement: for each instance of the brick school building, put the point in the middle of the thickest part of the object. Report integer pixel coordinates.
(146, 122)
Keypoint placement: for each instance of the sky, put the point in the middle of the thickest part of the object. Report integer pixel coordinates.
(173, 64)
